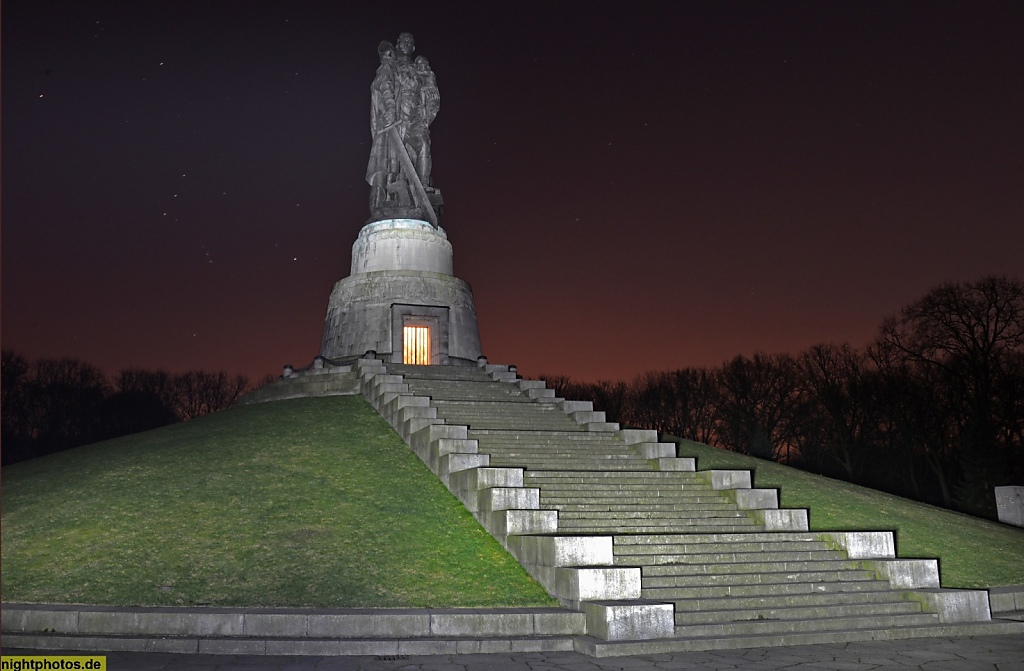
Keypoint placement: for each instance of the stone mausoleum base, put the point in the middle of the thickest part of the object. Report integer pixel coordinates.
(402, 277)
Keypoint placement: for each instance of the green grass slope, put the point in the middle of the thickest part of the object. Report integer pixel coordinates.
(972, 552)
(308, 502)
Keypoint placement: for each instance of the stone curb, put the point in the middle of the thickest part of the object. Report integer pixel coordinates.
(300, 631)
(291, 646)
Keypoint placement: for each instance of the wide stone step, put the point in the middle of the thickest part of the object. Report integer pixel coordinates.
(567, 450)
(569, 505)
(653, 515)
(439, 372)
(496, 423)
(598, 648)
(770, 589)
(518, 434)
(629, 485)
(806, 625)
(554, 456)
(441, 395)
(682, 525)
(715, 604)
(625, 499)
(582, 466)
(748, 549)
(503, 403)
(750, 567)
(673, 478)
(690, 539)
(770, 578)
(722, 557)
(704, 617)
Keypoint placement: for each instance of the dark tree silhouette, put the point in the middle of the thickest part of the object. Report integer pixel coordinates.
(964, 338)
(757, 396)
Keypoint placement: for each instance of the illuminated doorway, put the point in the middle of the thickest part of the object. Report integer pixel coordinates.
(416, 345)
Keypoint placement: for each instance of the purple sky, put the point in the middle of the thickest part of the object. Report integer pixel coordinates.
(628, 186)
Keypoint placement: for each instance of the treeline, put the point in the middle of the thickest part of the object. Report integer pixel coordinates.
(51, 405)
(932, 410)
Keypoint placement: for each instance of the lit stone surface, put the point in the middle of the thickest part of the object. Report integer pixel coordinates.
(401, 244)
(1010, 505)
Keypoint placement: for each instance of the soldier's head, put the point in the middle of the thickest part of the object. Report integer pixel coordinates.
(406, 44)
(422, 64)
(385, 51)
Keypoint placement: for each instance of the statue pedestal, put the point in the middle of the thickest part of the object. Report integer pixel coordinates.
(402, 300)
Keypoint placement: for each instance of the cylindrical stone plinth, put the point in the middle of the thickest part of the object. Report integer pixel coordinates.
(401, 244)
(401, 274)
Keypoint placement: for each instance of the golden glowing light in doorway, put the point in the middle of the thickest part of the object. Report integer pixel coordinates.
(416, 345)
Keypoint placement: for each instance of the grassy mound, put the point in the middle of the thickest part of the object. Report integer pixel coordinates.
(973, 552)
(309, 502)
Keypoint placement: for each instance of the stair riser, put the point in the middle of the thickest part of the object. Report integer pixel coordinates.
(740, 579)
(672, 593)
(795, 613)
(805, 626)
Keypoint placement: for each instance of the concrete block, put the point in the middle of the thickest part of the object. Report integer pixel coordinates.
(1010, 505)
(687, 464)
(270, 624)
(480, 625)
(784, 519)
(453, 463)
(180, 646)
(576, 406)
(483, 478)
(445, 446)
(631, 436)
(954, 605)
(1001, 599)
(165, 623)
(757, 499)
(595, 583)
(531, 384)
(231, 646)
(549, 400)
(629, 621)
(560, 623)
(542, 645)
(509, 498)
(219, 624)
(429, 433)
(410, 401)
(609, 427)
(655, 450)
(720, 479)
(405, 414)
(389, 387)
(366, 648)
(31, 620)
(563, 550)
(586, 416)
(906, 573)
(106, 622)
(416, 424)
(373, 625)
(429, 647)
(305, 647)
(483, 647)
(863, 544)
(520, 522)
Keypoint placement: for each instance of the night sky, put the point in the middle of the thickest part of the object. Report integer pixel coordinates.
(628, 186)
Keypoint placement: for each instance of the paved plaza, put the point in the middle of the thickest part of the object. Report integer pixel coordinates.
(984, 653)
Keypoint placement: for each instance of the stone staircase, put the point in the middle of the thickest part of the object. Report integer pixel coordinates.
(659, 556)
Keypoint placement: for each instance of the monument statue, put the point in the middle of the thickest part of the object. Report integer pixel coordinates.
(403, 102)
